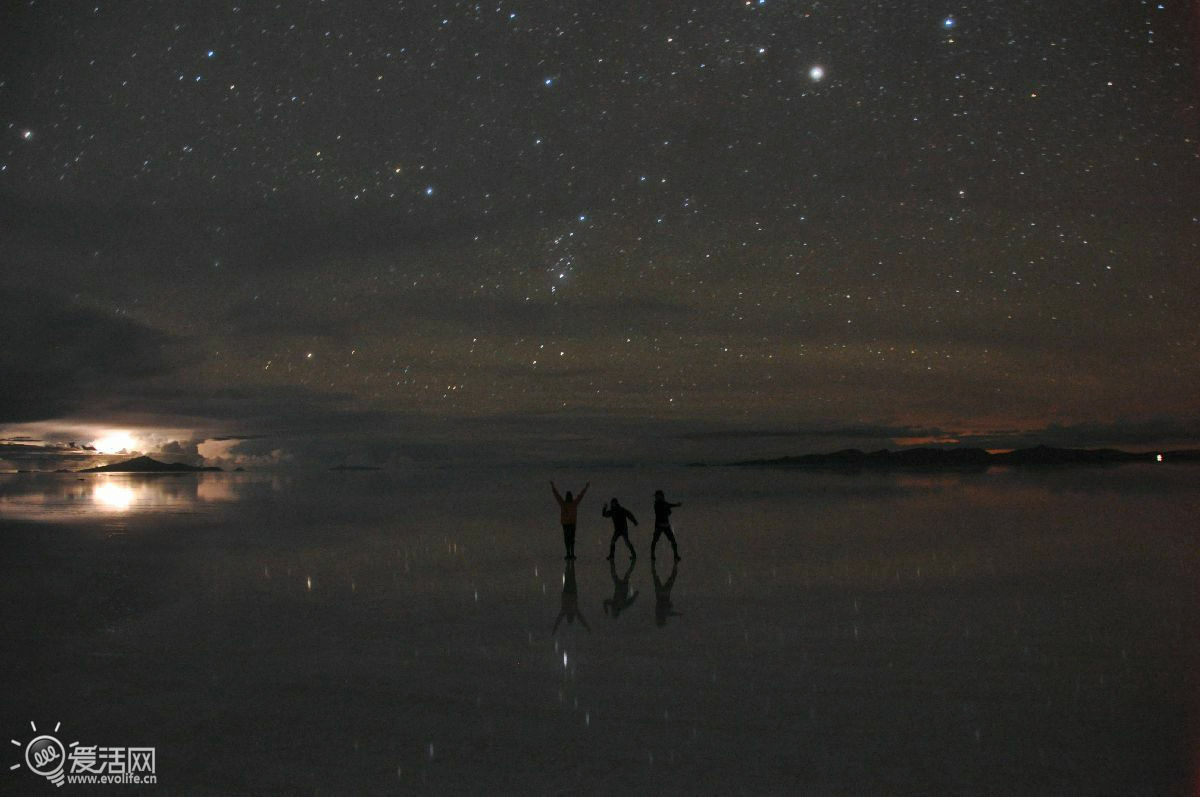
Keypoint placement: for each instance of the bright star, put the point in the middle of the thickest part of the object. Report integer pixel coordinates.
(428, 190)
(817, 73)
(27, 134)
(949, 22)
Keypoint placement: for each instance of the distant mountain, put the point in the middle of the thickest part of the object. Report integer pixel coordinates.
(968, 458)
(1045, 455)
(356, 467)
(147, 465)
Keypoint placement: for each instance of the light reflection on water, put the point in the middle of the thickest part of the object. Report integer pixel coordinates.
(110, 495)
(831, 630)
(50, 497)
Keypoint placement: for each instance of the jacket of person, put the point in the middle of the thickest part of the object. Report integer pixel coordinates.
(662, 512)
(568, 510)
(620, 517)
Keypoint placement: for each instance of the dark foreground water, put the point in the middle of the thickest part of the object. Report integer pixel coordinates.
(1028, 632)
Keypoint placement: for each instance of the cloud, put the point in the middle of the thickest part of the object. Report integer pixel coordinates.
(831, 431)
(247, 453)
(1165, 431)
(177, 448)
(43, 456)
(429, 311)
(178, 451)
(60, 358)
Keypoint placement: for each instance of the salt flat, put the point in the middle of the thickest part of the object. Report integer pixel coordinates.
(1004, 632)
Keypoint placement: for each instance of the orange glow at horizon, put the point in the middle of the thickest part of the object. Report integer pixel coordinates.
(114, 442)
(925, 441)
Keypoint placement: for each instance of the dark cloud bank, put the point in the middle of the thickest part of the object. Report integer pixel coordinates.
(76, 364)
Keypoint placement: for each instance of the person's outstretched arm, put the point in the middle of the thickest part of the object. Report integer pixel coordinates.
(629, 515)
(604, 510)
(582, 492)
(557, 497)
(673, 505)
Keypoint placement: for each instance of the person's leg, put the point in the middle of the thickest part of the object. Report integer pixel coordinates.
(569, 539)
(654, 540)
(612, 545)
(629, 545)
(671, 539)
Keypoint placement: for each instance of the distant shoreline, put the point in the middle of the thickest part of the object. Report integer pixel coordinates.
(927, 458)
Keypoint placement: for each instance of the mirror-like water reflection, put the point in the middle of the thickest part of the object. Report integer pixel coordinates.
(48, 497)
(825, 633)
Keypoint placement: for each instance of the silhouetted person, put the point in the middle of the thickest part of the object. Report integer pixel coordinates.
(662, 523)
(620, 517)
(662, 593)
(570, 599)
(621, 600)
(568, 513)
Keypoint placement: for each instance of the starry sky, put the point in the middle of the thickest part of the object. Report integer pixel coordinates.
(414, 231)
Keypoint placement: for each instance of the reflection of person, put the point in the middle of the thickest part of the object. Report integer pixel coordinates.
(568, 509)
(662, 523)
(662, 593)
(620, 600)
(570, 599)
(620, 517)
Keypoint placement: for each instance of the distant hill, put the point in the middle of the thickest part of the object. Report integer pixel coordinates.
(356, 467)
(147, 465)
(967, 458)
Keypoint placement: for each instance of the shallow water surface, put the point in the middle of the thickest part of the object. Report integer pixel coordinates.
(1005, 632)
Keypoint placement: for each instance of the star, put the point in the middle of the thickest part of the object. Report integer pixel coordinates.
(817, 73)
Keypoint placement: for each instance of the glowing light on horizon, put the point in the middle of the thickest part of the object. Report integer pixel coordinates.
(115, 443)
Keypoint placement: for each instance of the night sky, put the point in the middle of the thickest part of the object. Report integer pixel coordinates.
(409, 232)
